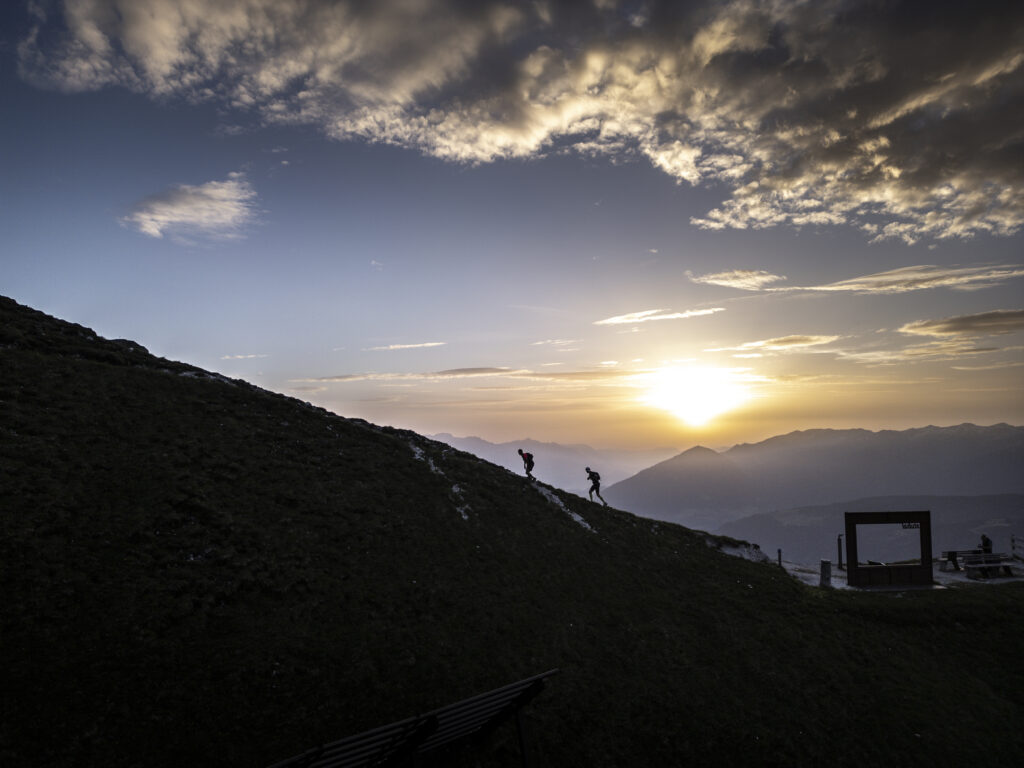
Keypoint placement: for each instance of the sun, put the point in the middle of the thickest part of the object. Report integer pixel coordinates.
(695, 395)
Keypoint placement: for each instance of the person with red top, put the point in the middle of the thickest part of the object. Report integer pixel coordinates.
(527, 462)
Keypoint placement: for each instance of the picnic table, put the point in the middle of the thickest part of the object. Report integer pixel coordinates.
(953, 556)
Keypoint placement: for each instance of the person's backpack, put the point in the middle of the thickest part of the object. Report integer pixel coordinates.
(528, 456)
(596, 477)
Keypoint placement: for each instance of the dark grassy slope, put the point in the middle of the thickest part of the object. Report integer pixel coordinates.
(198, 572)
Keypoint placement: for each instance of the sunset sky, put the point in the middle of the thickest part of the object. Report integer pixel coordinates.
(626, 224)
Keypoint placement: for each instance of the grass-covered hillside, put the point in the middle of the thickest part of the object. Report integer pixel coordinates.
(198, 572)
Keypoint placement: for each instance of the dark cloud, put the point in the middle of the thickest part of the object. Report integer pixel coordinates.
(902, 118)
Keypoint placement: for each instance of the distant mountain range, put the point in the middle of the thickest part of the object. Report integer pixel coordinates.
(560, 465)
(704, 489)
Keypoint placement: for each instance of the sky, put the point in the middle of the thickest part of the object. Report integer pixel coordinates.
(625, 224)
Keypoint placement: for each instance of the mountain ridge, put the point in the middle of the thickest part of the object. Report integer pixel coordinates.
(822, 466)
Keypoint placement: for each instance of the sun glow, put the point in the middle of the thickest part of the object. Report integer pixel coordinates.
(695, 395)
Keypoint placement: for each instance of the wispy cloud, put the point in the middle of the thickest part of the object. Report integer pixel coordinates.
(954, 337)
(808, 114)
(392, 347)
(925, 277)
(606, 372)
(461, 373)
(744, 279)
(555, 342)
(920, 277)
(243, 357)
(994, 323)
(779, 344)
(992, 367)
(649, 315)
(945, 349)
(216, 209)
(451, 373)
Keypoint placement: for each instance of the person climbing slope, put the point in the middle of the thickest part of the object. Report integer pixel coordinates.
(527, 463)
(595, 485)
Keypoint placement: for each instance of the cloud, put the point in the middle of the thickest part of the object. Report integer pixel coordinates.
(992, 367)
(459, 373)
(920, 277)
(606, 373)
(945, 349)
(656, 314)
(954, 337)
(779, 344)
(391, 347)
(925, 277)
(903, 124)
(308, 390)
(243, 357)
(555, 342)
(216, 209)
(994, 323)
(451, 373)
(744, 279)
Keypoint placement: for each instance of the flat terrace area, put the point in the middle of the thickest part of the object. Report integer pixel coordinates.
(811, 574)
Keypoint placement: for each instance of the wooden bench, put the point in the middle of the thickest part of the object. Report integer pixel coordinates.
(952, 557)
(424, 739)
(987, 564)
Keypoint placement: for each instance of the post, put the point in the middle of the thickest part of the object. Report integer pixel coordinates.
(780, 558)
(826, 573)
(839, 550)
